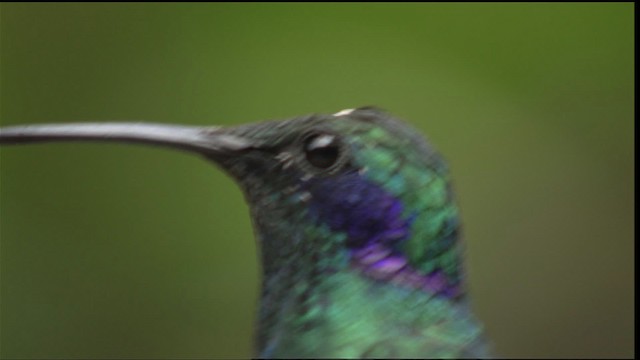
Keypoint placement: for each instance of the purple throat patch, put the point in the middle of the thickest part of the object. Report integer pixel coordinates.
(372, 219)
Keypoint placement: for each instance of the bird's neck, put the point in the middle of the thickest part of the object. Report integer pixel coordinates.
(317, 302)
(324, 297)
(346, 314)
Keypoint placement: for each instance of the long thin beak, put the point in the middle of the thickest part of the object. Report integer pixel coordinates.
(212, 141)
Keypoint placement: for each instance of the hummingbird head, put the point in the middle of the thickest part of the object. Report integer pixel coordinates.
(356, 190)
(356, 223)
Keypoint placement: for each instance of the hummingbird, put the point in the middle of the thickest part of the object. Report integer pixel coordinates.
(357, 225)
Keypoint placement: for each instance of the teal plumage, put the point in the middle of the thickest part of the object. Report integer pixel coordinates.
(332, 290)
(357, 226)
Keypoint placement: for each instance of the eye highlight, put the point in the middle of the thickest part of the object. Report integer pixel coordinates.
(322, 150)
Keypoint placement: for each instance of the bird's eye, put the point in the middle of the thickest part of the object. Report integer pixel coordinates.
(322, 150)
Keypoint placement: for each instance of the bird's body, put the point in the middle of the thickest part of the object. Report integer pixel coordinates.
(355, 318)
(358, 230)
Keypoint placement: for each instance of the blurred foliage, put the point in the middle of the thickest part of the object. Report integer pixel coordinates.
(118, 251)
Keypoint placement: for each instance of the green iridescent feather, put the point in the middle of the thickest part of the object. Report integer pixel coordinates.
(315, 301)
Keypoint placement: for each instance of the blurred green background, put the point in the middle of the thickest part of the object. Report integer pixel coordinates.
(120, 251)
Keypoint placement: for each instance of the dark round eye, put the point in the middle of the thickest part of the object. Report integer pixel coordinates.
(322, 150)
